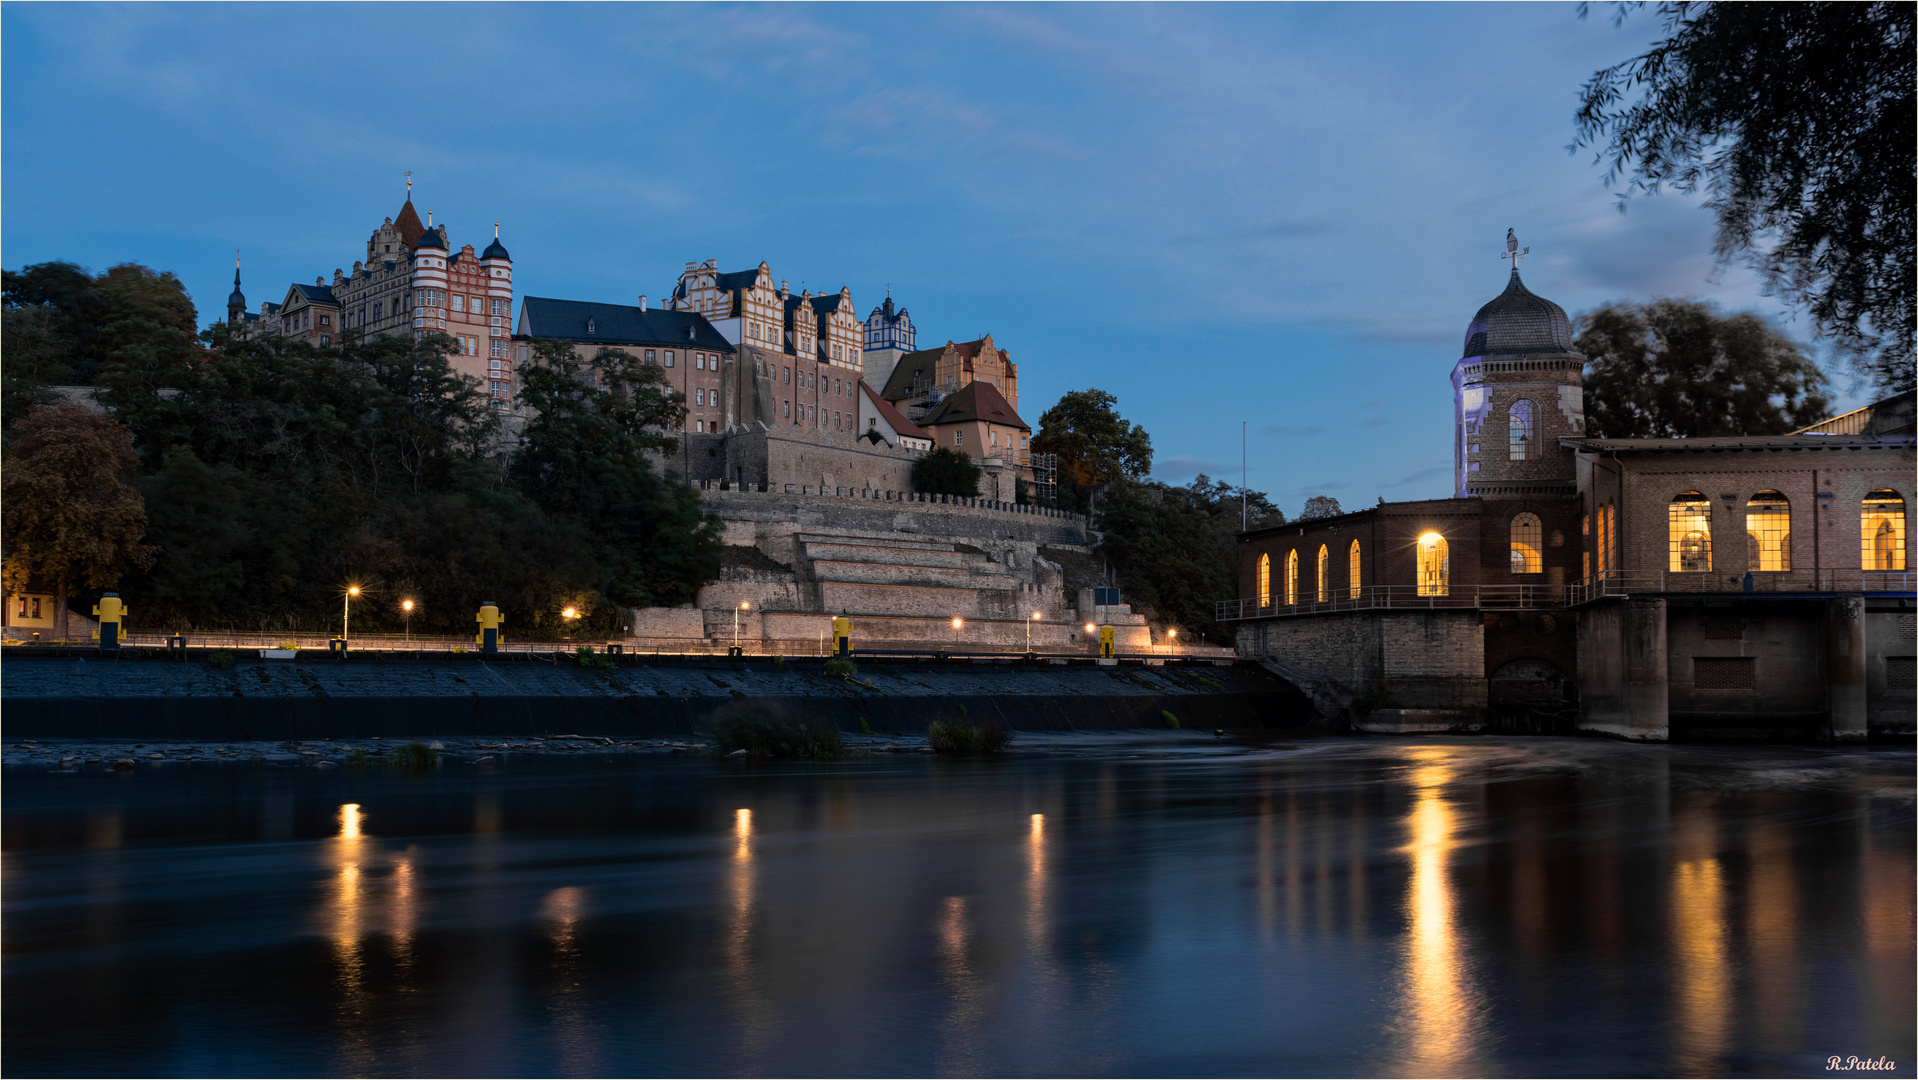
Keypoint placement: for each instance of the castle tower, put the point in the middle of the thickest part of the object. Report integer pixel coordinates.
(496, 267)
(889, 336)
(1519, 386)
(236, 300)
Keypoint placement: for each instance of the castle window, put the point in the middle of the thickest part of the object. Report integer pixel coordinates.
(652, 357)
(1325, 574)
(459, 304)
(1768, 532)
(1882, 531)
(786, 409)
(1435, 565)
(669, 358)
(958, 438)
(1528, 540)
(499, 348)
(1291, 578)
(1352, 569)
(1689, 532)
(1521, 430)
(1265, 581)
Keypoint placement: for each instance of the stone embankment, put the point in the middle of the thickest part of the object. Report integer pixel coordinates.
(84, 695)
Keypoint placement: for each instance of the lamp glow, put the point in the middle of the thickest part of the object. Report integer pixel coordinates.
(957, 623)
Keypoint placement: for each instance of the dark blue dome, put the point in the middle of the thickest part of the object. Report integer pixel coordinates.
(495, 250)
(431, 239)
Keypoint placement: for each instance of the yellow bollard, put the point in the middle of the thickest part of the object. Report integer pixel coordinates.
(1105, 643)
(842, 635)
(489, 622)
(111, 613)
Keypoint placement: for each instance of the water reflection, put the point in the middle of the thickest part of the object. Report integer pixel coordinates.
(346, 931)
(1771, 930)
(1441, 1010)
(574, 1033)
(743, 987)
(1701, 979)
(966, 989)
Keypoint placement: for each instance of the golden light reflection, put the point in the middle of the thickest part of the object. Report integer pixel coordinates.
(743, 990)
(1771, 931)
(1441, 1010)
(1264, 869)
(1701, 975)
(346, 919)
(1036, 919)
(573, 1029)
(963, 1024)
(350, 821)
(1886, 887)
(403, 910)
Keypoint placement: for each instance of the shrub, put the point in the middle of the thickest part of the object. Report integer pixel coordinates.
(761, 734)
(779, 659)
(946, 472)
(290, 645)
(1171, 721)
(864, 728)
(416, 756)
(589, 658)
(956, 737)
(220, 661)
(841, 667)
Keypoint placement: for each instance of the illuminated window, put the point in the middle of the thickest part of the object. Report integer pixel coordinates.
(1435, 567)
(1689, 527)
(1291, 578)
(1585, 542)
(1882, 531)
(1325, 574)
(1603, 539)
(1522, 430)
(1528, 542)
(1265, 581)
(1352, 569)
(1768, 532)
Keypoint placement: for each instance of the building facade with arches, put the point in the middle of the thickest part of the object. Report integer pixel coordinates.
(1752, 587)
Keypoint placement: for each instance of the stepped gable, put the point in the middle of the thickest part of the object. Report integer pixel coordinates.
(1518, 322)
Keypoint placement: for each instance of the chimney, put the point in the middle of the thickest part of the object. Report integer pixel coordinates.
(642, 301)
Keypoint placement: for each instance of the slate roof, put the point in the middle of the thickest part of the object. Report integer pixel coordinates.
(316, 294)
(495, 250)
(893, 416)
(737, 280)
(618, 324)
(433, 238)
(975, 401)
(1517, 321)
(1776, 443)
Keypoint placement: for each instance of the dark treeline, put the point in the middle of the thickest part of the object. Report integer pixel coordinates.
(276, 473)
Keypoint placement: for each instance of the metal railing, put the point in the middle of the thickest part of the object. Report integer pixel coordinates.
(1608, 583)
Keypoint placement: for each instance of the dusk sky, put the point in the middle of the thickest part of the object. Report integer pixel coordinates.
(1283, 215)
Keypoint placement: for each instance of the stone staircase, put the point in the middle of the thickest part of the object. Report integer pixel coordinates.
(905, 576)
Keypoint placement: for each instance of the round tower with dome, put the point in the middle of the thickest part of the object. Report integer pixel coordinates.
(1518, 387)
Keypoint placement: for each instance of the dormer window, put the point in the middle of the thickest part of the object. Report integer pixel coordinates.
(592, 327)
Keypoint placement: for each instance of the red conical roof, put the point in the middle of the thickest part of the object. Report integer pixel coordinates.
(409, 224)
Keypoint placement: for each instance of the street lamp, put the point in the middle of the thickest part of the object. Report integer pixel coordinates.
(744, 605)
(569, 614)
(346, 610)
(407, 607)
(1029, 631)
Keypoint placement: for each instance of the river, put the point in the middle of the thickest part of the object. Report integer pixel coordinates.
(1440, 907)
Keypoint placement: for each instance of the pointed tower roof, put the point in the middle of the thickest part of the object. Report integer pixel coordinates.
(409, 224)
(236, 298)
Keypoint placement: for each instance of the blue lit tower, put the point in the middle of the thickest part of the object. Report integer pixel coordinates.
(889, 336)
(1518, 387)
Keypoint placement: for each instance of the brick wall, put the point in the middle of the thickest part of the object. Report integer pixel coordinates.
(1416, 659)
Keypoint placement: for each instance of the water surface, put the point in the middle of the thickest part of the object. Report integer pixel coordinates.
(1336, 907)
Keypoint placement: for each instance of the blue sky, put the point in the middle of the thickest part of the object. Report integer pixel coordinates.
(1283, 215)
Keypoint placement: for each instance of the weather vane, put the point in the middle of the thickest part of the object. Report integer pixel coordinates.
(409, 185)
(1511, 250)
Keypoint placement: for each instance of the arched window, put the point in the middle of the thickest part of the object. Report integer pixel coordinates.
(1265, 581)
(1689, 529)
(1435, 567)
(1528, 545)
(1291, 578)
(1882, 531)
(1768, 532)
(1325, 574)
(1523, 430)
(1352, 569)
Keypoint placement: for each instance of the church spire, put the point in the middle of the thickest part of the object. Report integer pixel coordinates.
(236, 300)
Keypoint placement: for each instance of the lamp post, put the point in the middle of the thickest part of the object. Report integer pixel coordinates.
(743, 605)
(569, 614)
(1172, 636)
(1029, 631)
(346, 610)
(957, 624)
(407, 607)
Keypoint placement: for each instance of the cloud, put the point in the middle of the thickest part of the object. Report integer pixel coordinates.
(1420, 476)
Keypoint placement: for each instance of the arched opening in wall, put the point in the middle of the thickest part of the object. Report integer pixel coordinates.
(1291, 578)
(1522, 430)
(1689, 528)
(1352, 568)
(1530, 696)
(1435, 565)
(1528, 543)
(1265, 581)
(1325, 574)
(1882, 531)
(1768, 532)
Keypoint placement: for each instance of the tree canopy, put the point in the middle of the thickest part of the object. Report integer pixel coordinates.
(1094, 444)
(1174, 549)
(1798, 122)
(944, 471)
(1320, 506)
(1675, 368)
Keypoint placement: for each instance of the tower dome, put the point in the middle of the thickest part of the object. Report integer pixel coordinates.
(1518, 322)
(432, 238)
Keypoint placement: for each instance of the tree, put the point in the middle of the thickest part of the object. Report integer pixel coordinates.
(34, 350)
(70, 517)
(1676, 368)
(942, 471)
(1320, 506)
(1093, 442)
(1175, 549)
(1798, 121)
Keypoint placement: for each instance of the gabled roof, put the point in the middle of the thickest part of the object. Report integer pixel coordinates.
(827, 303)
(893, 416)
(617, 324)
(980, 401)
(737, 279)
(315, 294)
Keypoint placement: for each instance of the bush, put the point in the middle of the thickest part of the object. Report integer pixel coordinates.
(761, 734)
(957, 737)
(841, 667)
(946, 472)
(1171, 721)
(416, 756)
(589, 658)
(220, 661)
